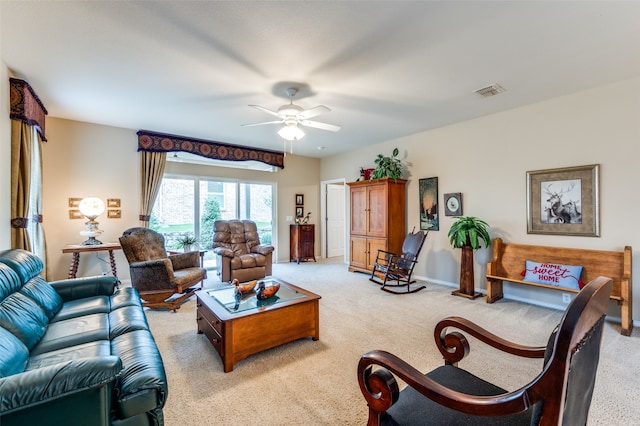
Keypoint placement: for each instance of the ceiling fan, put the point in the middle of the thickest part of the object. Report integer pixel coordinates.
(292, 115)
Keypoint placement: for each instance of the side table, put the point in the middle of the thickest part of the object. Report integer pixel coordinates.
(76, 249)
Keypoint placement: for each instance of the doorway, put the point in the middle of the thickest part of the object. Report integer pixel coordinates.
(333, 206)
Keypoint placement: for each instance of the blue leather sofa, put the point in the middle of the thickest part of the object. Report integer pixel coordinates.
(74, 352)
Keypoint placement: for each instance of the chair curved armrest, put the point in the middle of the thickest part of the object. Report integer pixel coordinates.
(185, 260)
(380, 389)
(223, 251)
(263, 249)
(454, 346)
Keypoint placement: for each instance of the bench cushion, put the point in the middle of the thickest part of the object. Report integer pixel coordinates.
(554, 274)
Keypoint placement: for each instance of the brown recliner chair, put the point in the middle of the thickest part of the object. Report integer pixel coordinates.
(157, 276)
(239, 252)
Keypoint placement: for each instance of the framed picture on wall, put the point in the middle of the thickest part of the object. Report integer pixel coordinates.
(299, 211)
(428, 193)
(299, 199)
(453, 204)
(564, 201)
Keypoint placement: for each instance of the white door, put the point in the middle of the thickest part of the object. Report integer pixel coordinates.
(335, 220)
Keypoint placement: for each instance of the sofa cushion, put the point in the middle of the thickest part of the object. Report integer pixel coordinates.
(98, 348)
(44, 295)
(23, 317)
(74, 331)
(80, 307)
(9, 281)
(24, 263)
(13, 354)
(125, 296)
(126, 319)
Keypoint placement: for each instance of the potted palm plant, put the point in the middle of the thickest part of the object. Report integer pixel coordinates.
(467, 233)
(390, 167)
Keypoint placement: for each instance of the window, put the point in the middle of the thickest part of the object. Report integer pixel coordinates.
(190, 204)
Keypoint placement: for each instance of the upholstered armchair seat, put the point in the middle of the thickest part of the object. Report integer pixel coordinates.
(156, 275)
(239, 252)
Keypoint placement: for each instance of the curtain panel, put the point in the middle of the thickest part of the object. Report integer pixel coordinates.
(27, 115)
(152, 168)
(159, 142)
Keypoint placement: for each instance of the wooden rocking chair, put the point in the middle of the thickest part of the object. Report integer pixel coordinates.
(399, 267)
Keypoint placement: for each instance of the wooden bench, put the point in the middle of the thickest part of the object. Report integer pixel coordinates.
(509, 262)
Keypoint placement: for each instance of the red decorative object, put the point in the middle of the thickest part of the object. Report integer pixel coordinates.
(368, 173)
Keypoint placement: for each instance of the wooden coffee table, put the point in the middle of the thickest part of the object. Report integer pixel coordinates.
(254, 326)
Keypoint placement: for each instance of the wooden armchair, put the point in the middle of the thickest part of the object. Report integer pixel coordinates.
(157, 276)
(448, 395)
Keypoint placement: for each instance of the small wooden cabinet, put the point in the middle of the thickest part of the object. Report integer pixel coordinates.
(301, 243)
(377, 220)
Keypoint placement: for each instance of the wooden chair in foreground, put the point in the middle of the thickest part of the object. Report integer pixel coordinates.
(449, 395)
(398, 267)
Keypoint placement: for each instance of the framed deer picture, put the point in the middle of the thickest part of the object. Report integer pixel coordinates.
(564, 201)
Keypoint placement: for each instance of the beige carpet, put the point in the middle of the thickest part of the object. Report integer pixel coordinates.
(314, 383)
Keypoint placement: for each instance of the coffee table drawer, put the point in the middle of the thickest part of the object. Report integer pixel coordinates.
(210, 317)
(212, 334)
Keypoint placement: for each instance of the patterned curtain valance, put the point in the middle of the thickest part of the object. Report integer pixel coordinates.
(26, 106)
(159, 142)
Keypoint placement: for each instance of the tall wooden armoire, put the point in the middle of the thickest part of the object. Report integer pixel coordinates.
(377, 220)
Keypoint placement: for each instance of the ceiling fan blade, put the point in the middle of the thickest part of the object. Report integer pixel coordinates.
(265, 122)
(312, 112)
(323, 126)
(268, 111)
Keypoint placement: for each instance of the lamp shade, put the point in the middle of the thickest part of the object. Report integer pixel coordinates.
(291, 132)
(91, 207)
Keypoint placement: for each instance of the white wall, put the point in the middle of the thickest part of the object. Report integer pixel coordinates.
(486, 159)
(87, 160)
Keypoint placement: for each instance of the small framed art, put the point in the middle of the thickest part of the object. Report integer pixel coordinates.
(453, 204)
(299, 199)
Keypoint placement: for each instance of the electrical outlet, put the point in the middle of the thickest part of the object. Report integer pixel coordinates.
(566, 298)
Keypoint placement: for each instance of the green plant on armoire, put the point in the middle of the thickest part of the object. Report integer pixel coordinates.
(390, 167)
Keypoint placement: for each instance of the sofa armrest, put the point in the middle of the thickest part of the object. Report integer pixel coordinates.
(79, 288)
(27, 390)
(223, 251)
(263, 249)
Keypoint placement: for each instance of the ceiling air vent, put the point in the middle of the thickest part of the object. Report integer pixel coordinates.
(492, 90)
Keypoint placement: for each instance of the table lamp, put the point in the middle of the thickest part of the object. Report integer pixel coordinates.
(91, 208)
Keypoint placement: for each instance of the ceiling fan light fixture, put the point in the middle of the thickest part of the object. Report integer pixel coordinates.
(291, 132)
